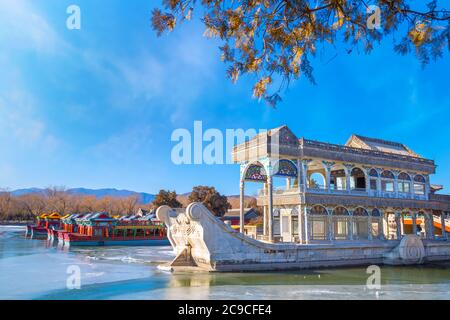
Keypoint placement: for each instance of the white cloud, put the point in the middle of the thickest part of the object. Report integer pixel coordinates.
(22, 27)
(173, 75)
(20, 126)
(123, 145)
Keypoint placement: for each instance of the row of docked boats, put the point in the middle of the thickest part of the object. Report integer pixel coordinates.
(99, 229)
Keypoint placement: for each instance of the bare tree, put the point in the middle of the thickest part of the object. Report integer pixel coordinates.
(34, 204)
(5, 203)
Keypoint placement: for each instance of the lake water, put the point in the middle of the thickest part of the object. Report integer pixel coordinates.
(34, 269)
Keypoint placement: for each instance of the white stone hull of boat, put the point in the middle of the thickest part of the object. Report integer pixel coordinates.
(202, 241)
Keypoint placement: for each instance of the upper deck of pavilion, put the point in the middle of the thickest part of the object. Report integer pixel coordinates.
(281, 143)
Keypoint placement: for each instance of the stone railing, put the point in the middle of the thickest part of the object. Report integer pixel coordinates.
(359, 151)
(278, 191)
(354, 192)
(440, 197)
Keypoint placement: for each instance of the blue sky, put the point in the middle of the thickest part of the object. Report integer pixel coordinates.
(96, 107)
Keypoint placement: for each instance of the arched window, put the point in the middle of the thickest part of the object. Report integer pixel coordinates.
(338, 179)
(404, 182)
(386, 174)
(419, 185)
(319, 223)
(361, 212)
(340, 211)
(316, 181)
(340, 223)
(376, 213)
(360, 223)
(419, 178)
(376, 225)
(285, 168)
(387, 181)
(255, 172)
(404, 176)
(358, 179)
(318, 210)
(373, 173)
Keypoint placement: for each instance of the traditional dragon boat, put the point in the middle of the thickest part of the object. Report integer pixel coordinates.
(100, 229)
(45, 222)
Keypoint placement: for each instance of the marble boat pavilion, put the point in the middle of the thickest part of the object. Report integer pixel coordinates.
(367, 189)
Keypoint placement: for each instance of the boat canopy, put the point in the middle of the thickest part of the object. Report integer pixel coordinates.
(54, 215)
(101, 216)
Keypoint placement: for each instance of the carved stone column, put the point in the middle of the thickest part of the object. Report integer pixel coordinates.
(369, 227)
(328, 165)
(367, 179)
(306, 215)
(241, 206)
(265, 216)
(288, 183)
(381, 232)
(348, 172)
(379, 171)
(304, 170)
(300, 225)
(429, 225)
(402, 223)
(411, 184)
(350, 226)
(427, 187)
(414, 223)
(330, 225)
(270, 195)
(395, 173)
(398, 225)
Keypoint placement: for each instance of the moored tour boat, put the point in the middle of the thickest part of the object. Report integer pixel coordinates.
(44, 223)
(99, 229)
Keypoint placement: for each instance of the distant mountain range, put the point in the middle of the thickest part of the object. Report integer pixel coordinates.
(144, 198)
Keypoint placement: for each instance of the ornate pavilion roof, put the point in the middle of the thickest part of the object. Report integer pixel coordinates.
(357, 141)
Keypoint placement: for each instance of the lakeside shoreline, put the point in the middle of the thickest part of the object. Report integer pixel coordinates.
(15, 223)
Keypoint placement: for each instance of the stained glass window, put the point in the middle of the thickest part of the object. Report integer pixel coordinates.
(318, 210)
(360, 212)
(340, 211)
(255, 172)
(387, 174)
(404, 176)
(285, 168)
(419, 178)
(376, 213)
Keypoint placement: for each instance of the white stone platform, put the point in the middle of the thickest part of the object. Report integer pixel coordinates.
(202, 241)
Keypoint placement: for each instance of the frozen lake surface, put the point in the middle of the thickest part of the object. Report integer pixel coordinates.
(35, 269)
